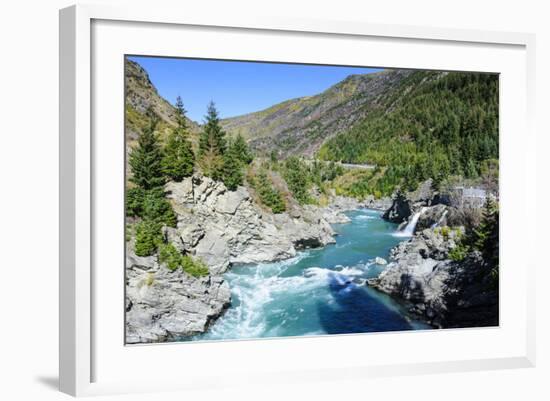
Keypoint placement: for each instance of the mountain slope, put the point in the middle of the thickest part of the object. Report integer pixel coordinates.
(435, 125)
(142, 94)
(300, 126)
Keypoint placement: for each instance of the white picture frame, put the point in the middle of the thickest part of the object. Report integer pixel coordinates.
(92, 361)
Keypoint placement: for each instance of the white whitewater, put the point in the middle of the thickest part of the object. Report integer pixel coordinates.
(440, 219)
(408, 231)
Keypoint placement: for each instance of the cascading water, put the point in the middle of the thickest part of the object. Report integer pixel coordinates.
(408, 231)
(440, 219)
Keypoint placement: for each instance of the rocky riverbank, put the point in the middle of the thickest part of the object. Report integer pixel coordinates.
(163, 305)
(221, 228)
(446, 291)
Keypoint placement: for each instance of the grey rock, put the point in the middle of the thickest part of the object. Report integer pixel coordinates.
(164, 305)
(380, 261)
(445, 293)
(371, 202)
(431, 217)
(400, 210)
(226, 227)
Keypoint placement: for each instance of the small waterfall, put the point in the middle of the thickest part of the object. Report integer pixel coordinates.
(408, 231)
(440, 219)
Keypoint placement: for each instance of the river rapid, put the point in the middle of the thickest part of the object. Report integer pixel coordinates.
(319, 291)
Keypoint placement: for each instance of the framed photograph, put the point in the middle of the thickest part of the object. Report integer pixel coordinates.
(278, 200)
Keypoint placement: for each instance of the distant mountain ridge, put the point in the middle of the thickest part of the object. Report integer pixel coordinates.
(294, 127)
(383, 118)
(301, 125)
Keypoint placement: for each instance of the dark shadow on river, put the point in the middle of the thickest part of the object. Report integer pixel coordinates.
(354, 310)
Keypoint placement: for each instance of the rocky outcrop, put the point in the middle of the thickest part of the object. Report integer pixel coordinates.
(226, 227)
(164, 305)
(445, 293)
(431, 217)
(399, 211)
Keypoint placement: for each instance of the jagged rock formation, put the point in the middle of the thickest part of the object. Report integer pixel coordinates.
(445, 293)
(225, 227)
(164, 305)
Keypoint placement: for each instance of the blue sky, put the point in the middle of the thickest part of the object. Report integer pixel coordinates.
(238, 87)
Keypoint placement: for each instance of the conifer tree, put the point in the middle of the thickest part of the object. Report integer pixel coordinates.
(212, 139)
(296, 178)
(178, 158)
(180, 114)
(486, 234)
(242, 149)
(269, 196)
(232, 169)
(146, 158)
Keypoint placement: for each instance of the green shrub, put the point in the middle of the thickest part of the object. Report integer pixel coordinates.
(157, 208)
(445, 231)
(150, 205)
(194, 267)
(173, 259)
(129, 229)
(459, 252)
(134, 201)
(148, 237)
(170, 256)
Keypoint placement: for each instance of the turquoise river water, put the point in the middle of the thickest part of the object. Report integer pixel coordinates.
(319, 291)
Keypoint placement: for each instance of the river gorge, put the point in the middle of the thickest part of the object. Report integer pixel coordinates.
(319, 291)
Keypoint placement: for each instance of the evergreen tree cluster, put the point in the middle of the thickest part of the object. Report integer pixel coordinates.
(302, 175)
(221, 158)
(178, 160)
(433, 126)
(152, 165)
(483, 238)
(295, 173)
(268, 194)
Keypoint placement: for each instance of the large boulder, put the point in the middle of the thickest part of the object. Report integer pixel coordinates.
(423, 194)
(400, 210)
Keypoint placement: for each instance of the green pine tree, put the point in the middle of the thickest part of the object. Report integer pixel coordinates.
(295, 174)
(146, 158)
(268, 195)
(486, 234)
(179, 158)
(242, 149)
(212, 138)
(232, 169)
(180, 114)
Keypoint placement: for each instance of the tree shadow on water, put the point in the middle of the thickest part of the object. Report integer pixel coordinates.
(356, 311)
